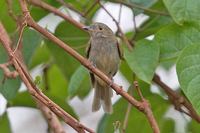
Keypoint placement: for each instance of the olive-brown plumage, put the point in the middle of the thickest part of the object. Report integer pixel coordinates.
(104, 53)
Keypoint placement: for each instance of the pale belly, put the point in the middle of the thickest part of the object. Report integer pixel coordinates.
(105, 59)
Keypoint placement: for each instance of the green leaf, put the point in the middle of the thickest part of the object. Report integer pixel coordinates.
(76, 81)
(193, 127)
(126, 71)
(143, 59)
(38, 13)
(41, 55)
(5, 124)
(31, 40)
(5, 18)
(173, 38)
(183, 10)
(137, 122)
(152, 25)
(155, 21)
(144, 3)
(23, 99)
(73, 37)
(8, 87)
(188, 71)
(56, 82)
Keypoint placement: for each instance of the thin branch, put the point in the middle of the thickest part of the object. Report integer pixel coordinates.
(128, 110)
(120, 13)
(131, 5)
(7, 72)
(138, 90)
(68, 5)
(147, 110)
(134, 27)
(10, 11)
(19, 42)
(50, 8)
(90, 8)
(177, 100)
(125, 123)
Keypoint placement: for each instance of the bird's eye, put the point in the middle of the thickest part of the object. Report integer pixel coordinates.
(100, 28)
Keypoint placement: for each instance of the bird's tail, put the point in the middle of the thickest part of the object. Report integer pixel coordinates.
(102, 95)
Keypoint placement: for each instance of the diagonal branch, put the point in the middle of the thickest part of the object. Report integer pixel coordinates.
(54, 10)
(177, 99)
(147, 109)
(33, 90)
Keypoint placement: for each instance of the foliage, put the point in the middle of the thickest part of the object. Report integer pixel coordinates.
(176, 41)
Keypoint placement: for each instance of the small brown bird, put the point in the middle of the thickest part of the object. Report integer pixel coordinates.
(104, 53)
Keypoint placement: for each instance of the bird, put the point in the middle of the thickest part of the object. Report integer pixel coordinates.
(104, 53)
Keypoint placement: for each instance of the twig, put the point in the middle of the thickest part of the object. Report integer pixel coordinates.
(19, 42)
(10, 11)
(134, 27)
(147, 110)
(120, 13)
(136, 86)
(47, 7)
(177, 100)
(123, 37)
(68, 5)
(125, 123)
(131, 5)
(7, 72)
(90, 8)
(126, 118)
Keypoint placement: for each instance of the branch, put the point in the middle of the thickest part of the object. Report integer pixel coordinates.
(131, 5)
(54, 10)
(68, 5)
(128, 110)
(147, 110)
(139, 105)
(7, 72)
(33, 90)
(177, 99)
(91, 7)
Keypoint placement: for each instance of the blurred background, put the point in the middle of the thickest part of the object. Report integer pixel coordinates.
(51, 63)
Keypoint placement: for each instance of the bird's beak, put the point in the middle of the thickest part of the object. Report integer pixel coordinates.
(87, 28)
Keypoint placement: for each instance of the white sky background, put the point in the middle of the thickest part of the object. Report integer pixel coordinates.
(28, 120)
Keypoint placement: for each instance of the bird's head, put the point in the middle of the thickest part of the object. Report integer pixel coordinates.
(99, 30)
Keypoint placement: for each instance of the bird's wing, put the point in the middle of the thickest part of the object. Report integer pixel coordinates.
(88, 48)
(120, 51)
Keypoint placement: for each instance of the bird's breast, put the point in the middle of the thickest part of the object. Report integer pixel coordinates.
(104, 54)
